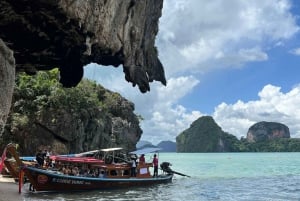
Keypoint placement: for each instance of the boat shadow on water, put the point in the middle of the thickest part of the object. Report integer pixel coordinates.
(136, 193)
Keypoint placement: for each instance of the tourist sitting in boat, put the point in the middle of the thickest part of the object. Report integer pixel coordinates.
(49, 163)
(86, 172)
(101, 173)
(66, 170)
(92, 173)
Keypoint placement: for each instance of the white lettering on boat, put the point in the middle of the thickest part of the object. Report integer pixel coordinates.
(70, 181)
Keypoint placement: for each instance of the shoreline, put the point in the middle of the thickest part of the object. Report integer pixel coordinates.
(9, 189)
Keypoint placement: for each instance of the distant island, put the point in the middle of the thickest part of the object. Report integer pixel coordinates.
(165, 146)
(204, 135)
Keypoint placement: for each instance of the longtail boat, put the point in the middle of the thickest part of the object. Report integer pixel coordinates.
(87, 173)
(47, 180)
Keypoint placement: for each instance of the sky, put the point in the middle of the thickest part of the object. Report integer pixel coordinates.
(235, 60)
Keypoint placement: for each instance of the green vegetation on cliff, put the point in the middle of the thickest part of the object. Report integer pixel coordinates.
(274, 145)
(44, 114)
(204, 135)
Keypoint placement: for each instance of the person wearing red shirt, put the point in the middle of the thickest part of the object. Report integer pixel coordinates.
(142, 159)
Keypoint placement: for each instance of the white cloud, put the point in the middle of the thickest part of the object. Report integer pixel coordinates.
(253, 54)
(167, 118)
(273, 105)
(163, 116)
(204, 35)
(296, 51)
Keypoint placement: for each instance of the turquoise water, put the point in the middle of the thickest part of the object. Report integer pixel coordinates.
(214, 176)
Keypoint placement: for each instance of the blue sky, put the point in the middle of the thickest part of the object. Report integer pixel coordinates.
(235, 60)
(229, 85)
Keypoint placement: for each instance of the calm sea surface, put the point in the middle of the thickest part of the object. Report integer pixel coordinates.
(214, 176)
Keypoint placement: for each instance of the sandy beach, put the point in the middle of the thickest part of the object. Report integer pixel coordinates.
(9, 190)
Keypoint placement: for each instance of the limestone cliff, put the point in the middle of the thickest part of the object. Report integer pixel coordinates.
(72, 33)
(204, 135)
(88, 117)
(69, 34)
(263, 131)
(7, 75)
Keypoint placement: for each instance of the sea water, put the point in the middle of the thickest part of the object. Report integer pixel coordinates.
(213, 176)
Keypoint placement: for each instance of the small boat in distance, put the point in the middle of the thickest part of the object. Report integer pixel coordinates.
(86, 173)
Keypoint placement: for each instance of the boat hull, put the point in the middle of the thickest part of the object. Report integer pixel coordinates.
(45, 180)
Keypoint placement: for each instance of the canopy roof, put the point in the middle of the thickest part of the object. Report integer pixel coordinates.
(85, 153)
(146, 150)
(111, 149)
(78, 159)
(82, 154)
(27, 158)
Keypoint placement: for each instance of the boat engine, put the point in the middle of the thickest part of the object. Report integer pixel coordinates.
(165, 166)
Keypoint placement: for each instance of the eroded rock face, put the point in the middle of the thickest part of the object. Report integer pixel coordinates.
(67, 128)
(263, 131)
(7, 80)
(72, 33)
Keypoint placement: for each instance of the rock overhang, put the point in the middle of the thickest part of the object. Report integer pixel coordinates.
(71, 34)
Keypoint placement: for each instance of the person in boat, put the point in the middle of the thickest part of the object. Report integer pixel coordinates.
(49, 163)
(101, 173)
(75, 171)
(67, 170)
(155, 165)
(47, 153)
(44, 154)
(87, 172)
(142, 159)
(133, 166)
(40, 158)
(81, 172)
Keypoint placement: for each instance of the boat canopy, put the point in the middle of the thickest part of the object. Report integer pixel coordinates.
(78, 159)
(111, 149)
(85, 153)
(146, 150)
(82, 154)
(27, 158)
